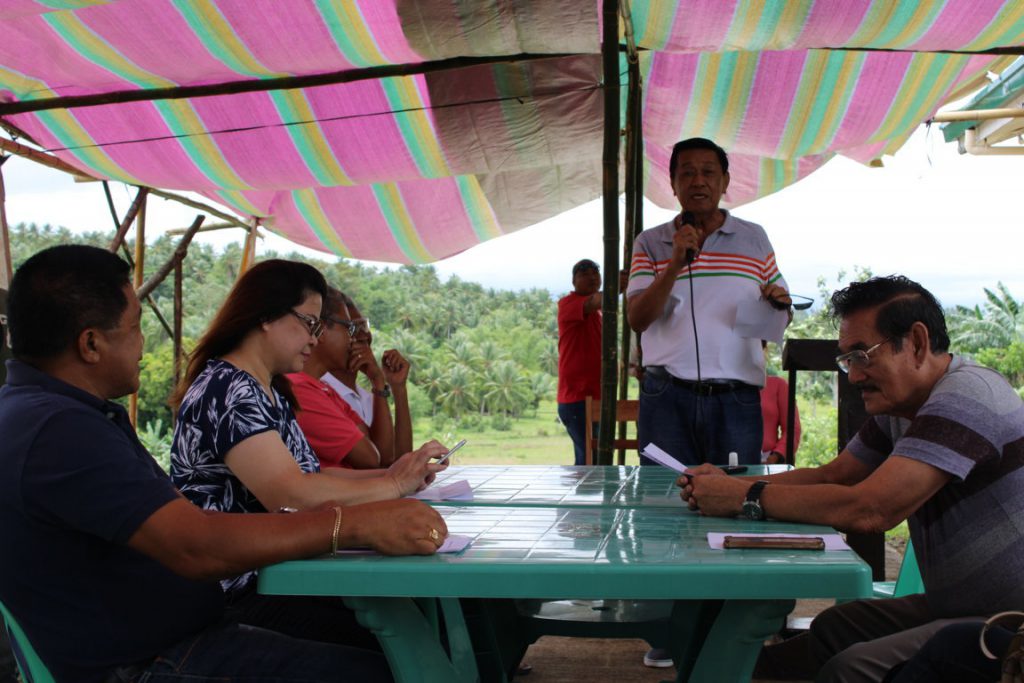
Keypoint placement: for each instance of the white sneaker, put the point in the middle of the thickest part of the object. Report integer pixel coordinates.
(658, 658)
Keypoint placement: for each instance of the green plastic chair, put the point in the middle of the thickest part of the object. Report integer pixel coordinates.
(908, 581)
(32, 668)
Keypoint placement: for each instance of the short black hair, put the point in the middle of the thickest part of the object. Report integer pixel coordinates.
(696, 143)
(902, 302)
(61, 291)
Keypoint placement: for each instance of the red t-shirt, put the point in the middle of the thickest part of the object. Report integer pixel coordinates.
(329, 423)
(579, 350)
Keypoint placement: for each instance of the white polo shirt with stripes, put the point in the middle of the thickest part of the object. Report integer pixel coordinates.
(737, 259)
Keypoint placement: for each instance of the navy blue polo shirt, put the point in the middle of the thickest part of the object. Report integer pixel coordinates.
(75, 484)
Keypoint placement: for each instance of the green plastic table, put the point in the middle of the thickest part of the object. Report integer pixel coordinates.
(651, 553)
(566, 485)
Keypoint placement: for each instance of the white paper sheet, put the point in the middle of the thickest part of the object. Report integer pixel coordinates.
(662, 458)
(457, 490)
(832, 541)
(453, 544)
(756, 319)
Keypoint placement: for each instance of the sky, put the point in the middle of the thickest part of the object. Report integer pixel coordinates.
(952, 222)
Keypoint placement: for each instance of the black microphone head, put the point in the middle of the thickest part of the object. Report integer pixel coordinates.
(688, 219)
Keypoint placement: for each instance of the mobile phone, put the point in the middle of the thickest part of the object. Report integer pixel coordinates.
(734, 469)
(454, 448)
(774, 542)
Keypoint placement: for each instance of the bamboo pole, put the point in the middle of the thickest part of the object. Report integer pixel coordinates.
(138, 273)
(129, 218)
(179, 309)
(6, 269)
(266, 84)
(634, 212)
(249, 248)
(43, 158)
(978, 115)
(610, 192)
(131, 262)
(146, 288)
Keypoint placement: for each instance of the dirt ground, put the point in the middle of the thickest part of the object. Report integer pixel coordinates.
(594, 660)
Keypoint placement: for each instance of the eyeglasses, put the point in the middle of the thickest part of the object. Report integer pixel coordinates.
(802, 305)
(315, 326)
(354, 326)
(860, 358)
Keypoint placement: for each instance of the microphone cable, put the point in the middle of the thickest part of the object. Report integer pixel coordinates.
(700, 435)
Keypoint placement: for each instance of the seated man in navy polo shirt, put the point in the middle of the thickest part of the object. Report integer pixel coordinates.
(108, 570)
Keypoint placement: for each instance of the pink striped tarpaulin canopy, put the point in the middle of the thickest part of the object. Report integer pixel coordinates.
(414, 168)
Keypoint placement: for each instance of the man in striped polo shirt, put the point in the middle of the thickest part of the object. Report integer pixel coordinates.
(699, 397)
(944, 450)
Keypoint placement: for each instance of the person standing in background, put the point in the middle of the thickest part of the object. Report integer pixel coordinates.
(775, 415)
(579, 352)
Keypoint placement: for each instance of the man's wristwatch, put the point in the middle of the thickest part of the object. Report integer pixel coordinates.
(383, 393)
(752, 505)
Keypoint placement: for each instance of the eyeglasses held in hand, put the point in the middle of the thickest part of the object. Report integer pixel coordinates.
(802, 305)
(859, 359)
(314, 326)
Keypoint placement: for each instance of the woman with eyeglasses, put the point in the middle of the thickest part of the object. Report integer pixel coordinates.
(336, 432)
(237, 446)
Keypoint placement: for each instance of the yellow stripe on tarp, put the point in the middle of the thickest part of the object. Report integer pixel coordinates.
(351, 35)
(840, 92)
(24, 87)
(478, 208)
(240, 202)
(704, 80)
(202, 149)
(63, 125)
(309, 139)
(930, 76)
(653, 22)
(97, 50)
(416, 126)
(219, 38)
(308, 204)
(392, 207)
(1006, 28)
(731, 104)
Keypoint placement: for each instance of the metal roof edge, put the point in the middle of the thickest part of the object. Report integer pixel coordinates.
(992, 96)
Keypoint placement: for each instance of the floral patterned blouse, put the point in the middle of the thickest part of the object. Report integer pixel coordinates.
(223, 407)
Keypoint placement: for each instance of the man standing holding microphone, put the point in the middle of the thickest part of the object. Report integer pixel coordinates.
(699, 399)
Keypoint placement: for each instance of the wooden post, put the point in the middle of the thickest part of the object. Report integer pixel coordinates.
(178, 315)
(634, 214)
(610, 191)
(139, 272)
(129, 218)
(249, 248)
(6, 269)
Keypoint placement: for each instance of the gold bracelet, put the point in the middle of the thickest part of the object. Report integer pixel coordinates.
(337, 528)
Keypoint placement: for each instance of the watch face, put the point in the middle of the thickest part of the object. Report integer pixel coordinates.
(753, 510)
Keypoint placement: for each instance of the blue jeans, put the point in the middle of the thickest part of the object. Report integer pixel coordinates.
(574, 417)
(696, 429)
(270, 639)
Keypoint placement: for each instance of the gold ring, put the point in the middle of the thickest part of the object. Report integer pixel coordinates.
(435, 536)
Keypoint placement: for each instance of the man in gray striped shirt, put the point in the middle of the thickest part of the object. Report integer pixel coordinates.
(943, 451)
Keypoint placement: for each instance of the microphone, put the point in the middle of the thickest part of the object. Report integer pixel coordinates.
(688, 218)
